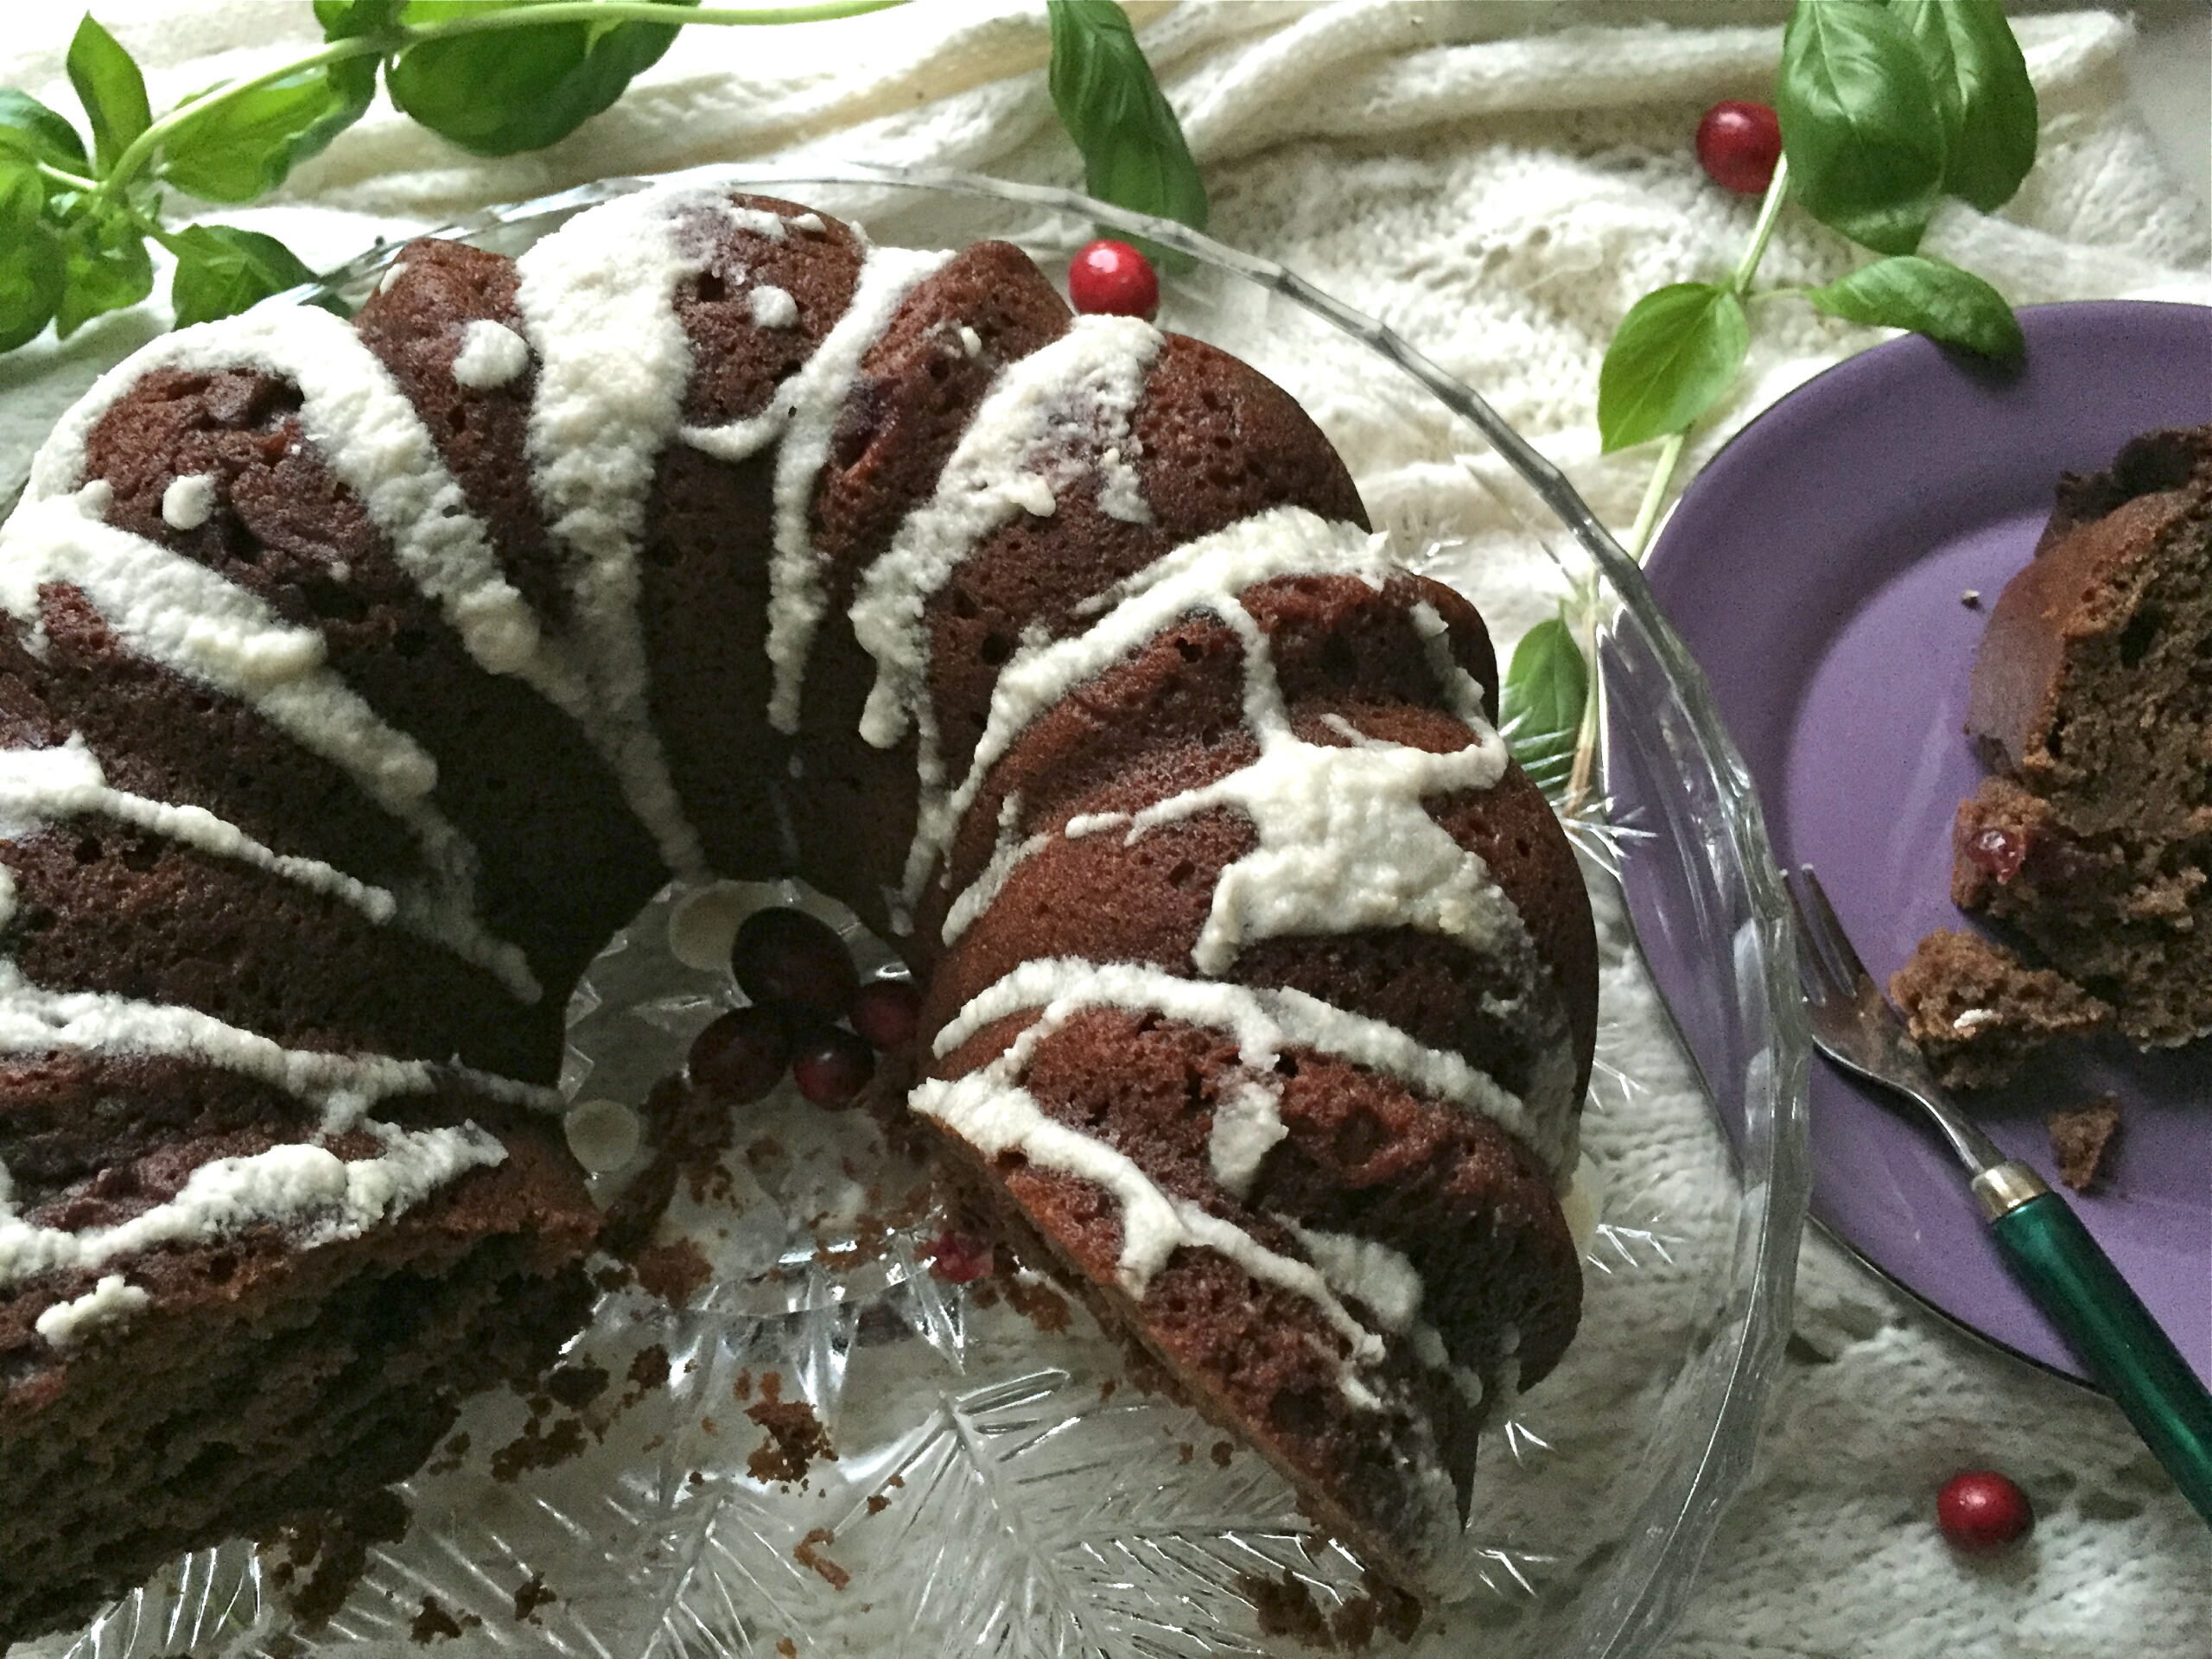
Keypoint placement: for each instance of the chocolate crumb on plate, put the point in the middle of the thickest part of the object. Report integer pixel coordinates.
(2079, 1139)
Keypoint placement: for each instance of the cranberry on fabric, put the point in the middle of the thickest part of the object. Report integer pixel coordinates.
(1113, 279)
(1981, 1510)
(1737, 144)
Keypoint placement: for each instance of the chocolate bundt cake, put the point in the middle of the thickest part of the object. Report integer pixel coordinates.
(2091, 839)
(363, 679)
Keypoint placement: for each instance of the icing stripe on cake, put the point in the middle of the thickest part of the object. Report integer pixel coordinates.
(373, 442)
(1049, 420)
(597, 304)
(296, 1185)
(800, 418)
(40, 787)
(1264, 1021)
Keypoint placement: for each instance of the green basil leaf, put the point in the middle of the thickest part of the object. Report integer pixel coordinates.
(221, 271)
(346, 19)
(31, 132)
(113, 90)
(1982, 92)
(1672, 357)
(506, 90)
(1859, 123)
(1133, 154)
(242, 148)
(108, 269)
(33, 271)
(1539, 706)
(1930, 298)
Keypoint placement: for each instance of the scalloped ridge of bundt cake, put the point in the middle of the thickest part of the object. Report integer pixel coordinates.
(364, 679)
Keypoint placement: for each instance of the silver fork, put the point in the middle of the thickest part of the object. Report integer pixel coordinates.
(2043, 1242)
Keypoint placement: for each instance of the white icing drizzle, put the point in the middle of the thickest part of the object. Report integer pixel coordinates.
(39, 787)
(773, 308)
(1247, 1126)
(111, 1301)
(596, 302)
(1265, 1020)
(339, 1087)
(492, 354)
(189, 501)
(1345, 844)
(1056, 417)
(803, 413)
(177, 613)
(373, 442)
(1367, 1271)
(991, 1111)
(1205, 575)
(296, 1185)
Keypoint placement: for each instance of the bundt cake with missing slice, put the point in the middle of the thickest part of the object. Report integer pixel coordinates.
(362, 680)
(2090, 841)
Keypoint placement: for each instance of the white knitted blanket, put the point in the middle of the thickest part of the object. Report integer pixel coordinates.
(1498, 180)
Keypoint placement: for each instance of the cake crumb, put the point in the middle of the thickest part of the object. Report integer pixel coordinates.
(2079, 1139)
(530, 1595)
(674, 1272)
(1222, 1451)
(877, 1502)
(795, 1438)
(538, 1447)
(1971, 598)
(808, 1553)
(1039, 1304)
(434, 1624)
(1286, 1607)
(1184, 1452)
(787, 1647)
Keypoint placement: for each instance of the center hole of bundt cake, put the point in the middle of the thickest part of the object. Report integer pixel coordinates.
(676, 1074)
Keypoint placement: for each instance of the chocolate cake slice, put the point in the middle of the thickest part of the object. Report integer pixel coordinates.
(2091, 839)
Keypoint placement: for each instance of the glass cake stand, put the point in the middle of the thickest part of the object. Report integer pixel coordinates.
(999, 1484)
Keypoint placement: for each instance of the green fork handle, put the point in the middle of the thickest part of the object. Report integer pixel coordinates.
(2075, 1283)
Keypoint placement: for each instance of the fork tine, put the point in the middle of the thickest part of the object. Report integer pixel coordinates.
(1843, 956)
(1813, 975)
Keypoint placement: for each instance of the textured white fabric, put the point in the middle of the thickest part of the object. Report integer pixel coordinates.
(1499, 181)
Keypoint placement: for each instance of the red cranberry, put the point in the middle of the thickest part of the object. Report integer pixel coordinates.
(959, 1258)
(788, 957)
(1979, 1509)
(887, 1012)
(832, 1067)
(1113, 279)
(741, 1055)
(1998, 850)
(1737, 144)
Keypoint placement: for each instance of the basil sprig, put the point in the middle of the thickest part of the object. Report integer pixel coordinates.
(1885, 109)
(495, 77)
(1134, 153)
(1540, 707)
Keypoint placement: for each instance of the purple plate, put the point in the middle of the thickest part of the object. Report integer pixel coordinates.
(1816, 568)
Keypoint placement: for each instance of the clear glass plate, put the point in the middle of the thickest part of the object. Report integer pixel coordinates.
(1000, 1486)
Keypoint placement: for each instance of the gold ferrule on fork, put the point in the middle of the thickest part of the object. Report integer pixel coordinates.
(2005, 1187)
